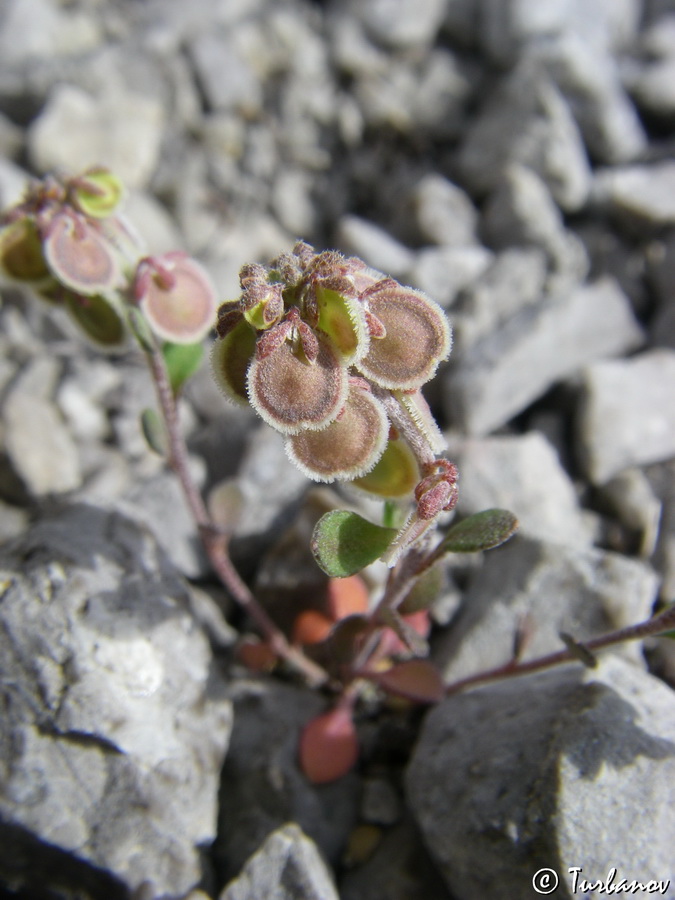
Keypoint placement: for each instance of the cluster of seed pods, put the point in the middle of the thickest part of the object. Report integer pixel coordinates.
(68, 242)
(333, 355)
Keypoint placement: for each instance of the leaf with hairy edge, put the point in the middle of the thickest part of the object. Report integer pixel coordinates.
(329, 746)
(153, 431)
(182, 361)
(415, 679)
(343, 542)
(481, 531)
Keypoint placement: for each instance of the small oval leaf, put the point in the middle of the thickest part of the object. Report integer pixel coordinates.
(153, 431)
(416, 679)
(343, 542)
(182, 361)
(329, 746)
(481, 531)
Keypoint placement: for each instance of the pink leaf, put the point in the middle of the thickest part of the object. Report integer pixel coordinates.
(329, 746)
(417, 680)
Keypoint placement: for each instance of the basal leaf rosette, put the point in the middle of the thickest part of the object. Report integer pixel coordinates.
(349, 446)
(415, 337)
(21, 258)
(176, 296)
(293, 394)
(78, 256)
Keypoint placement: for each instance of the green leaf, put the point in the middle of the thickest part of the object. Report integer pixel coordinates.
(153, 431)
(182, 361)
(481, 531)
(343, 543)
(425, 591)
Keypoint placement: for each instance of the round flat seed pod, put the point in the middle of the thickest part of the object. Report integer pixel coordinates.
(343, 321)
(99, 320)
(21, 256)
(291, 394)
(98, 193)
(395, 475)
(79, 258)
(184, 311)
(349, 447)
(230, 358)
(417, 338)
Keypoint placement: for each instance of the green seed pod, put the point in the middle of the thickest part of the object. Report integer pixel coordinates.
(292, 394)
(177, 297)
(230, 358)
(349, 447)
(396, 474)
(342, 319)
(417, 337)
(21, 257)
(98, 319)
(97, 193)
(79, 257)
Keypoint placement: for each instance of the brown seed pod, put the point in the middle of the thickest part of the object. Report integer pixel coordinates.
(349, 447)
(177, 297)
(417, 337)
(291, 394)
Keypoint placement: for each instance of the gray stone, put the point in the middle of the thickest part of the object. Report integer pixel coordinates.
(527, 121)
(651, 80)
(630, 496)
(540, 589)
(115, 719)
(373, 245)
(508, 26)
(626, 415)
(442, 272)
(443, 212)
(641, 196)
(288, 866)
(225, 74)
(522, 212)
(38, 28)
(262, 786)
(590, 81)
(380, 804)
(401, 23)
(515, 279)
(521, 473)
(118, 128)
(292, 201)
(38, 442)
(662, 480)
(152, 220)
(548, 772)
(13, 182)
(662, 281)
(502, 374)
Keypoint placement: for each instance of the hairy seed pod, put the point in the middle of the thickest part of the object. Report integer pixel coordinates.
(342, 319)
(79, 257)
(417, 337)
(177, 297)
(99, 319)
(230, 359)
(21, 257)
(97, 193)
(292, 394)
(349, 447)
(395, 475)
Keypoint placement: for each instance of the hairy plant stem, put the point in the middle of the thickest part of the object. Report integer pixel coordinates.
(215, 542)
(654, 626)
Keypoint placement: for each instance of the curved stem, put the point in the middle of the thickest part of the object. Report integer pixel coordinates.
(656, 625)
(215, 543)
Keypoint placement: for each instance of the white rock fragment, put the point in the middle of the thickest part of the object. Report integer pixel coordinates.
(627, 414)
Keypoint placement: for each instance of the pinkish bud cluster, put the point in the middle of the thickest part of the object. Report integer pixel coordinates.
(333, 355)
(67, 241)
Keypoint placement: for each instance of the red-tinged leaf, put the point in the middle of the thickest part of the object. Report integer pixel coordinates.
(256, 655)
(416, 679)
(311, 627)
(329, 746)
(347, 596)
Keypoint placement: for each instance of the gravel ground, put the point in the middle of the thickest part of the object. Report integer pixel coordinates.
(514, 160)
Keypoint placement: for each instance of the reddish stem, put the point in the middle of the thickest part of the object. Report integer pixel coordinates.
(215, 543)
